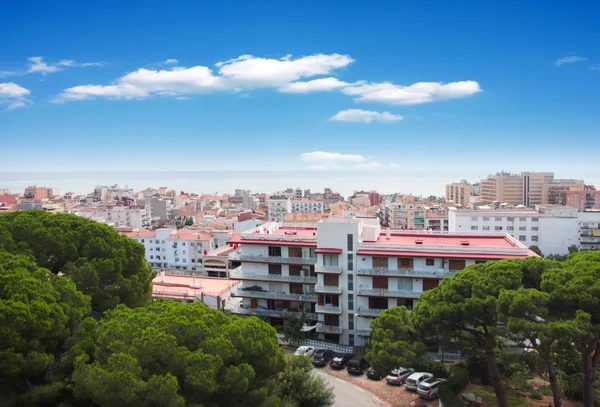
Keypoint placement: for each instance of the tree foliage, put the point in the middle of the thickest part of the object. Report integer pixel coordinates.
(38, 313)
(395, 341)
(196, 354)
(103, 264)
(293, 331)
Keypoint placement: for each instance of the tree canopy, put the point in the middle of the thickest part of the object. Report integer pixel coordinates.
(103, 264)
(38, 312)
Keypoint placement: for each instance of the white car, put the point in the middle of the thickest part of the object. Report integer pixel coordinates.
(414, 380)
(428, 389)
(304, 351)
(398, 376)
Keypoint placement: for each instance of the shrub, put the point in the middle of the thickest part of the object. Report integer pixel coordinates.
(459, 378)
(536, 395)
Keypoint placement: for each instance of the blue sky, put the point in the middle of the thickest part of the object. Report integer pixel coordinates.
(286, 85)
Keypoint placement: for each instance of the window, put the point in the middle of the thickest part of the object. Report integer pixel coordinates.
(156, 241)
(151, 249)
(164, 257)
(142, 240)
(534, 228)
(405, 284)
(498, 219)
(184, 260)
(350, 282)
(380, 262)
(474, 227)
(350, 322)
(275, 251)
(535, 219)
(498, 228)
(183, 244)
(522, 238)
(183, 251)
(430, 262)
(510, 219)
(162, 241)
(486, 228)
(157, 249)
(522, 227)
(350, 242)
(151, 257)
(534, 238)
(510, 228)
(350, 302)
(486, 218)
(351, 340)
(474, 218)
(192, 244)
(350, 262)
(522, 219)
(330, 260)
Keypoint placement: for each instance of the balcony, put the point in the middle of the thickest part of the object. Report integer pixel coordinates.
(404, 273)
(382, 292)
(369, 312)
(274, 295)
(328, 329)
(364, 332)
(274, 259)
(263, 312)
(240, 275)
(319, 268)
(328, 309)
(328, 289)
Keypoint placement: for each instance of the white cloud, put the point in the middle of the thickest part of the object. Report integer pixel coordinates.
(13, 95)
(248, 71)
(568, 60)
(417, 93)
(4, 74)
(170, 61)
(372, 164)
(594, 67)
(365, 116)
(316, 85)
(394, 165)
(331, 157)
(37, 65)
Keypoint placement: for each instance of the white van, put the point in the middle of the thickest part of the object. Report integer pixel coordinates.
(413, 381)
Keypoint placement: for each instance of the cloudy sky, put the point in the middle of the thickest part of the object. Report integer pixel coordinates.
(290, 85)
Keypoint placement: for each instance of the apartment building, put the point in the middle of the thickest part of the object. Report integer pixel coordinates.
(553, 228)
(34, 192)
(459, 192)
(306, 206)
(589, 230)
(409, 213)
(279, 206)
(583, 199)
(436, 221)
(343, 272)
(552, 190)
(135, 216)
(502, 187)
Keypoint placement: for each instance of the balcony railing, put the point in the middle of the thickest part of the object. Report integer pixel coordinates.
(364, 332)
(273, 259)
(404, 273)
(275, 295)
(328, 309)
(328, 329)
(263, 312)
(369, 312)
(272, 277)
(382, 292)
(319, 268)
(328, 289)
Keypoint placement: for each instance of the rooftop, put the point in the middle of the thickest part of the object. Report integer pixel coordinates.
(136, 232)
(178, 287)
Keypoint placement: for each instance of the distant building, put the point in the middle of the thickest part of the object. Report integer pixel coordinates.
(583, 200)
(502, 187)
(213, 292)
(159, 209)
(306, 205)
(279, 207)
(408, 213)
(459, 193)
(34, 192)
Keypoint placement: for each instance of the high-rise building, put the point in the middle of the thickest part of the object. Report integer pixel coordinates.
(502, 187)
(583, 200)
(459, 192)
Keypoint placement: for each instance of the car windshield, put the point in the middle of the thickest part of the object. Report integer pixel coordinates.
(411, 381)
(424, 386)
(394, 374)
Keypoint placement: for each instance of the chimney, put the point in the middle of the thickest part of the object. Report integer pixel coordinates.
(387, 233)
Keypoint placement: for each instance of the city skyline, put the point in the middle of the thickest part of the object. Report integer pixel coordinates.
(292, 93)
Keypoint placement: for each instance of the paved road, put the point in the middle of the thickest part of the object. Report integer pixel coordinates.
(349, 395)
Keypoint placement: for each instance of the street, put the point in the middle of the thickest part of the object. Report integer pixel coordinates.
(349, 395)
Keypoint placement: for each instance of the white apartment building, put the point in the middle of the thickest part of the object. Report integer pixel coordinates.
(182, 249)
(409, 215)
(117, 216)
(306, 206)
(553, 228)
(278, 208)
(343, 272)
(589, 230)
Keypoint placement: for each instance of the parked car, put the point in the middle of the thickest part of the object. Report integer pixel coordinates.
(322, 356)
(414, 380)
(340, 361)
(429, 388)
(304, 351)
(374, 374)
(398, 376)
(357, 365)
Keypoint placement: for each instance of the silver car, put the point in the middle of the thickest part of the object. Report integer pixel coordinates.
(398, 376)
(414, 380)
(428, 389)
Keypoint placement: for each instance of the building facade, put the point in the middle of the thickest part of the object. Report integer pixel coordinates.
(279, 207)
(459, 192)
(408, 214)
(584, 200)
(343, 272)
(306, 206)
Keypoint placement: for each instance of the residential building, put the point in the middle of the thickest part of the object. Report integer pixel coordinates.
(159, 209)
(408, 213)
(299, 193)
(459, 193)
(373, 198)
(279, 207)
(34, 192)
(135, 216)
(4, 191)
(344, 272)
(589, 228)
(304, 218)
(552, 190)
(437, 221)
(52, 192)
(306, 205)
(584, 199)
(213, 292)
(502, 187)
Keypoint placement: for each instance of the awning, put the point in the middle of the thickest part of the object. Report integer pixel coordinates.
(328, 251)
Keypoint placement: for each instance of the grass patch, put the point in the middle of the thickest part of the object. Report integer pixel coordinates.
(487, 394)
